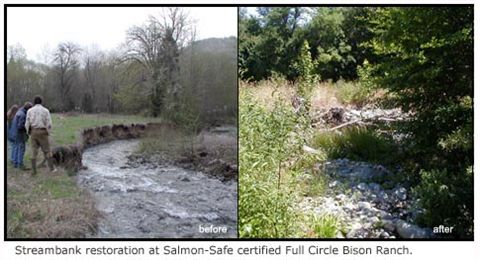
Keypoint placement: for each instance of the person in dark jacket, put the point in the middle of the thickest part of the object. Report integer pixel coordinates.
(18, 136)
(10, 115)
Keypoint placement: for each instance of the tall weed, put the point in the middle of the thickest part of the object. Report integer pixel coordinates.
(271, 159)
(265, 194)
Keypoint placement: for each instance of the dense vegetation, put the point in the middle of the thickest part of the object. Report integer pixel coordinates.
(267, 146)
(420, 58)
(428, 67)
(272, 40)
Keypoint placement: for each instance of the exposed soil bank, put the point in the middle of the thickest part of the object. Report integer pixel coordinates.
(208, 159)
(214, 151)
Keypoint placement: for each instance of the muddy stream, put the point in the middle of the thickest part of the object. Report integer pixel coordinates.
(155, 201)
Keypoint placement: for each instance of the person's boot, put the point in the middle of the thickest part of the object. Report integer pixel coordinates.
(50, 165)
(34, 167)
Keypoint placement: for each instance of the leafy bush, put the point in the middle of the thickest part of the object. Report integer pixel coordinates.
(426, 66)
(304, 67)
(357, 143)
(265, 199)
(446, 197)
(271, 159)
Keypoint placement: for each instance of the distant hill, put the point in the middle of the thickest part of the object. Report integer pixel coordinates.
(216, 45)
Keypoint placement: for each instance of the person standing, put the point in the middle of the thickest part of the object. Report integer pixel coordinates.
(39, 126)
(18, 135)
(10, 115)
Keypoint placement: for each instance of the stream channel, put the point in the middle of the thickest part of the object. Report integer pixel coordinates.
(155, 201)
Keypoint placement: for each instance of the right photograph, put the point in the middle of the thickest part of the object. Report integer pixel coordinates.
(356, 122)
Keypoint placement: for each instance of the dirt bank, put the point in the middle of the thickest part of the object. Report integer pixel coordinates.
(212, 151)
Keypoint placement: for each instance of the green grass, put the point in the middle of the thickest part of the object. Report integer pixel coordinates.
(59, 187)
(67, 128)
(315, 186)
(359, 144)
(325, 226)
(51, 205)
(266, 189)
(15, 223)
(352, 93)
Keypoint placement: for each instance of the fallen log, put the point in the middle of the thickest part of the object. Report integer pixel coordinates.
(344, 124)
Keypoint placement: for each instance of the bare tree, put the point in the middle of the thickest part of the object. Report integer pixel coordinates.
(93, 60)
(16, 57)
(66, 63)
(16, 53)
(157, 45)
(114, 75)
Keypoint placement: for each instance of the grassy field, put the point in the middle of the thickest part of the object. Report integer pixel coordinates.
(50, 205)
(325, 95)
(66, 128)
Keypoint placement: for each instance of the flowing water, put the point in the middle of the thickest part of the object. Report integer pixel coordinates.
(155, 201)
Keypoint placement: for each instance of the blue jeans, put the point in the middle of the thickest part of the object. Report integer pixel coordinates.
(10, 150)
(9, 145)
(18, 151)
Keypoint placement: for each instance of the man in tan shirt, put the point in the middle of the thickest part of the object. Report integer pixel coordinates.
(39, 126)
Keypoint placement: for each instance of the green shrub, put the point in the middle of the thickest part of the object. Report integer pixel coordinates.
(425, 65)
(305, 66)
(447, 200)
(271, 159)
(264, 197)
(357, 143)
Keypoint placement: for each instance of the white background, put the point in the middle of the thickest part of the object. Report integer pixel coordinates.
(421, 250)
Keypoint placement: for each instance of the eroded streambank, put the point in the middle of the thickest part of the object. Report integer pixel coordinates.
(154, 200)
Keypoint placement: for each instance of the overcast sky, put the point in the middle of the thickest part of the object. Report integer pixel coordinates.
(38, 28)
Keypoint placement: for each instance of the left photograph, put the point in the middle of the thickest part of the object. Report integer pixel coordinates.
(121, 122)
